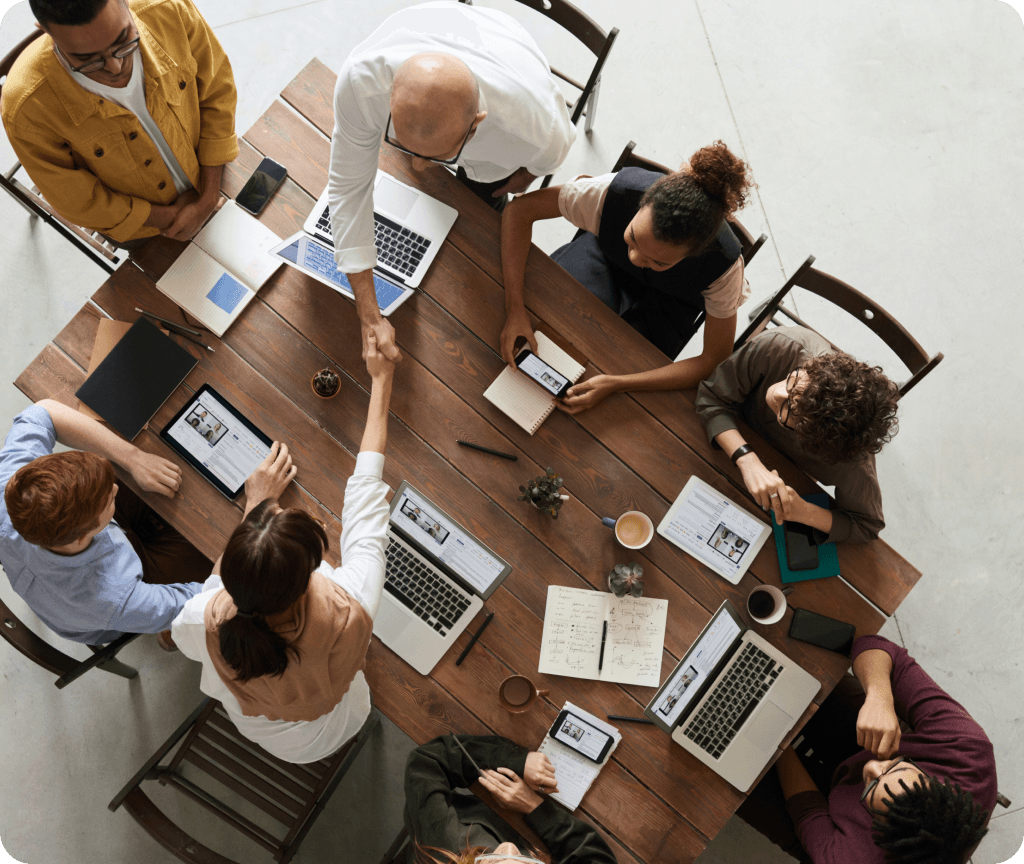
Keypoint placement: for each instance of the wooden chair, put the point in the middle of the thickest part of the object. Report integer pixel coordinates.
(596, 40)
(292, 795)
(861, 307)
(102, 251)
(67, 668)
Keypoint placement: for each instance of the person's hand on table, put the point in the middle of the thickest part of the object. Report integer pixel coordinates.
(539, 773)
(377, 364)
(517, 326)
(766, 486)
(587, 394)
(385, 335)
(510, 791)
(518, 182)
(271, 476)
(154, 473)
(878, 727)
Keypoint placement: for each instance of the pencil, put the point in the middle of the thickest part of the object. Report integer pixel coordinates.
(476, 636)
(630, 719)
(488, 450)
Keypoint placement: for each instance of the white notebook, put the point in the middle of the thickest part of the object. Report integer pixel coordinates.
(522, 399)
(573, 772)
(222, 269)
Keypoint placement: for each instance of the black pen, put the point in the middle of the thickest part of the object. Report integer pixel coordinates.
(604, 635)
(630, 719)
(488, 450)
(464, 750)
(475, 636)
(165, 320)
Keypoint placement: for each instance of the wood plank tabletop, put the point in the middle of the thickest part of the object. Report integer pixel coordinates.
(653, 801)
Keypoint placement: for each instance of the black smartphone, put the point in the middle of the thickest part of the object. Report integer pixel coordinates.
(257, 189)
(548, 377)
(801, 550)
(581, 736)
(822, 631)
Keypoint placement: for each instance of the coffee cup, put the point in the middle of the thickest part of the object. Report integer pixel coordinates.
(517, 693)
(633, 529)
(766, 604)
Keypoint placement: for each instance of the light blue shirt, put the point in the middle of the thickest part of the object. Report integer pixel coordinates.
(91, 597)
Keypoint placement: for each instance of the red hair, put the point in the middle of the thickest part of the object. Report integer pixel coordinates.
(57, 498)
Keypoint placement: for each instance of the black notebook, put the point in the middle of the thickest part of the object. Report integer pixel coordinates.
(136, 378)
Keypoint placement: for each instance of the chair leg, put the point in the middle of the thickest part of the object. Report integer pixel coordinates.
(396, 847)
(104, 657)
(591, 111)
(116, 667)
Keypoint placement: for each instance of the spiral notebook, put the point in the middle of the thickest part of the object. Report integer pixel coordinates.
(523, 400)
(573, 772)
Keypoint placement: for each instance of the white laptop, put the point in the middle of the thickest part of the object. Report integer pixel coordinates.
(732, 699)
(438, 576)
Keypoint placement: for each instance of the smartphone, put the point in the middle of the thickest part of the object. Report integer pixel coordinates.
(801, 550)
(257, 189)
(581, 736)
(822, 631)
(549, 378)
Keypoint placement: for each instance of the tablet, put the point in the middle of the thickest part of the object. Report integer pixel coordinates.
(217, 441)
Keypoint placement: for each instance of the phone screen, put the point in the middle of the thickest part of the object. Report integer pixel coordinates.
(260, 186)
(822, 631)
(584, 738)
(554, 382)
(801, 552)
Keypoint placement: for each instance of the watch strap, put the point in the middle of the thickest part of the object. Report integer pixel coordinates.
(741, 451)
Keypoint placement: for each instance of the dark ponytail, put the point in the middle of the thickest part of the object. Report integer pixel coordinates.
(688, 206)
(265, 568)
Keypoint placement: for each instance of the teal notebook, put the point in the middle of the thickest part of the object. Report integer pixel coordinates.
(828, 555)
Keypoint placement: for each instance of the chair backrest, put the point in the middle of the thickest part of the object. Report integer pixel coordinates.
(857, 304)
(8, 61)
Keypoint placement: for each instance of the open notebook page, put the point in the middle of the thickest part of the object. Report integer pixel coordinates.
(201, 287)
(241, 243)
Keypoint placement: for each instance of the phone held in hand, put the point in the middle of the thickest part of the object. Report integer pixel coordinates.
(577, 733)
(822, 631)
(801, 550)
(260, 186)
(547, 376)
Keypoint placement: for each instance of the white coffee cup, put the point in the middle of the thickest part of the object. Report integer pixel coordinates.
(778, 599)
(633, 529)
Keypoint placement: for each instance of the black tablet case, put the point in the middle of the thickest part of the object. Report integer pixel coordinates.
(136, 378)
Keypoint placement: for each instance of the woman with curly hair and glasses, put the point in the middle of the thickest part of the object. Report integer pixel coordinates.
(829, 413)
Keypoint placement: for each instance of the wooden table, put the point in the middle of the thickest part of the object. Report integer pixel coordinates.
(654, 802)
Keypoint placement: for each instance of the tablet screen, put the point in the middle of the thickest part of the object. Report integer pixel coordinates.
(217, 441)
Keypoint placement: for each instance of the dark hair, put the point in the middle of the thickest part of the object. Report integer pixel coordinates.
(67, 13)
(931, 822)
(57, 498)
(265, 568)
(846, 409)
(688, 206)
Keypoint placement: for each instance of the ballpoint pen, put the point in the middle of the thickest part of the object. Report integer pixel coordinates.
(476, 636)
(165, 320)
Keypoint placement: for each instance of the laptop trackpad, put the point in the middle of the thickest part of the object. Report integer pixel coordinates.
(769, 727)
(390, 622)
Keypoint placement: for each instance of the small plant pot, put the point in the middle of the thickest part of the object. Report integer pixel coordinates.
(323, 378)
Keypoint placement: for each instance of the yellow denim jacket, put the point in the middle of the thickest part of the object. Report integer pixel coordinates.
(91, 159)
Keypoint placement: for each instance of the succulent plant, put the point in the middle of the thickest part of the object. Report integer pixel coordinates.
(545, 493)
(626, 579)
(326, 382)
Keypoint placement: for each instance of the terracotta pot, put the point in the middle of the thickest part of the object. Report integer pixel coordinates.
(312, 385)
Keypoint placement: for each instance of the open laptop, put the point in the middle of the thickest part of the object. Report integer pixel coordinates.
(409, 228)
(732, 699)
(438, 576)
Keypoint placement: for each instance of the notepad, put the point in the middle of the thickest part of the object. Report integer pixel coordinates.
(222, 269)
(524, 400)
(575, 773)
(573, 626)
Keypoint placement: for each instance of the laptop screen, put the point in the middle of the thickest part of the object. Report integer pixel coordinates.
(696, 668)
(444, 539)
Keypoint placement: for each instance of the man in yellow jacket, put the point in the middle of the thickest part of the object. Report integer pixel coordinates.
(123, 115)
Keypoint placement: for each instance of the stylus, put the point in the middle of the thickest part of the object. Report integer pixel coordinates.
(488, 450)
(164, 320)
(630, 719)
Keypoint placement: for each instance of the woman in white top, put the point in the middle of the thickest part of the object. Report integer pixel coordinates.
(281, 634)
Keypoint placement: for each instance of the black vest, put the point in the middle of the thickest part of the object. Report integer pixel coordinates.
(689, 277)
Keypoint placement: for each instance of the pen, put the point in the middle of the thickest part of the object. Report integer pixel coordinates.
(630, 719)
(604, 635)
(488, 450)
(166, 321)
(475, 636)
(193, 339)
(464, 750)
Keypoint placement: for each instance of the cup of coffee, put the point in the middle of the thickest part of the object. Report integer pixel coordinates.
(633, 529)
(767, 604)
(517, 693)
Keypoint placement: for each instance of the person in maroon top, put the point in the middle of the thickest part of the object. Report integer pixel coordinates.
(920, 795)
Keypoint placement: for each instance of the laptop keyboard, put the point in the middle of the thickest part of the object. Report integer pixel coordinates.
(397, 247)
(734, 699)
(417, 586)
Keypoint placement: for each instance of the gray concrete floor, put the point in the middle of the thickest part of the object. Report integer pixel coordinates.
(884, 135)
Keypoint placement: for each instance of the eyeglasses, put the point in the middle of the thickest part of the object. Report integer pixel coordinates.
(492, 856)
(784, 408)
(870, 787)
(118, 53)
(387, 140)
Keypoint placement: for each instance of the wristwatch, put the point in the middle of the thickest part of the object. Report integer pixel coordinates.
(741, 451)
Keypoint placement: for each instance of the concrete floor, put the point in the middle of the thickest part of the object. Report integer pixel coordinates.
(884, 136)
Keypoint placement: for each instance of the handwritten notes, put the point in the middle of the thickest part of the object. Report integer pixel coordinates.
(573, 623)
(574, 772)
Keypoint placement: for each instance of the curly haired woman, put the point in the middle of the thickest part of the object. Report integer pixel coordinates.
(829, 413)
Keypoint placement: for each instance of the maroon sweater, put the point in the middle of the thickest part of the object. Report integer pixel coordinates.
(945, 742)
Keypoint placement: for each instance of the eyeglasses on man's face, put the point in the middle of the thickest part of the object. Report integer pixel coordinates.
(119, 52)
(785, 409)
(389, 140)
(873, 784)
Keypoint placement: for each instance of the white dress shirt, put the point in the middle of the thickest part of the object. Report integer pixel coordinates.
(527, 123)
(364, 519)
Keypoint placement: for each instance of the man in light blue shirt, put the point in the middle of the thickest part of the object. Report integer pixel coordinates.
(90, 559)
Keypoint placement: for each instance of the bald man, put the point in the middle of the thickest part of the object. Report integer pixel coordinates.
(441, 83)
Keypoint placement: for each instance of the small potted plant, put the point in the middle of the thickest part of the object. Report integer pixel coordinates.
(626, 579)
(326, 383)
(545, 493)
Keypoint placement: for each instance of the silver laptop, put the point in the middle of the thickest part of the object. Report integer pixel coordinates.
(438, 576)
(409, 227)
(732, 699)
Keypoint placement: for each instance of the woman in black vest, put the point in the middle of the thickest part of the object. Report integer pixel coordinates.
(655, 248)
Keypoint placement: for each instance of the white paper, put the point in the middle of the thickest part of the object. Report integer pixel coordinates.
(573, 772)
(190, 279)
(574, 621)
(241, 243)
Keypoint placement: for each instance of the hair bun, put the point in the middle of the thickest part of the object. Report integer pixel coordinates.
(722, 175)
